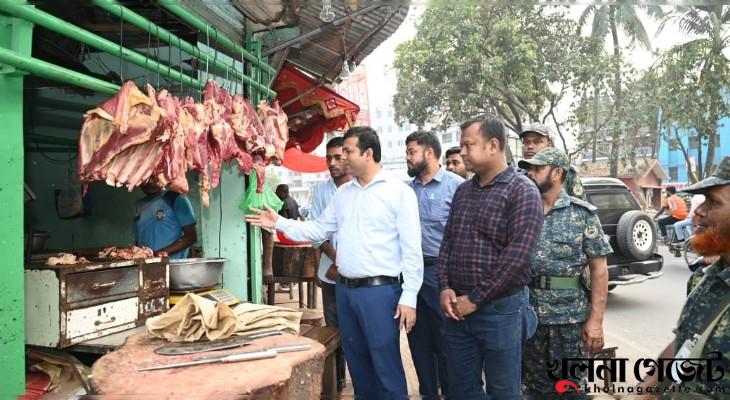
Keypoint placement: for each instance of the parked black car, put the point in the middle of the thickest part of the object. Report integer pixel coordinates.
(632, 232)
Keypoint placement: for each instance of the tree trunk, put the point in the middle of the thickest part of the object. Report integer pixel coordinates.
(596, 105)
(711, 135)
(615, 132)
(700, 174)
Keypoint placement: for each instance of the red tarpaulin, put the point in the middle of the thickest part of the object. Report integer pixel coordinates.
(314, 112)
(296, 160)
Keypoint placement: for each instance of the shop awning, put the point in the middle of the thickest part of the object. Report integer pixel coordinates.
(296, 160)
(312, 110)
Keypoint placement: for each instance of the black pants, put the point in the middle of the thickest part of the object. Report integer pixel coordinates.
(329, 304)
(664, 221)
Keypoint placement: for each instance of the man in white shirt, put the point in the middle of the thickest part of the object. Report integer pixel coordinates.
(374, 219)
(322, 195)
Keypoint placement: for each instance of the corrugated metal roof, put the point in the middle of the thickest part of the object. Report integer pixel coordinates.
(323, 53)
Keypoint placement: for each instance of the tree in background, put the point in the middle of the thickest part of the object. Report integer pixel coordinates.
(468, 59)
(610, 19)
(695, 83)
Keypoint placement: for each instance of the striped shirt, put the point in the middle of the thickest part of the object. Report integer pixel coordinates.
(490, 237)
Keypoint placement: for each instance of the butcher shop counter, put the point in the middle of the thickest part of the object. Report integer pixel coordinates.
(70, 304)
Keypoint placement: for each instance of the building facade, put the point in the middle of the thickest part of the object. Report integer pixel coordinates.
(672, 157)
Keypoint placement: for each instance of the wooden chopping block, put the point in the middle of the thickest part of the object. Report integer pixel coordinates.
(295, 261)
(296, 375)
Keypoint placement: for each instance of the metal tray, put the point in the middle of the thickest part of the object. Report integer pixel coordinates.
(195, 273)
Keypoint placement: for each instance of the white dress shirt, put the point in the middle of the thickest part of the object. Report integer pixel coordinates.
(322, 195)
(377, 232)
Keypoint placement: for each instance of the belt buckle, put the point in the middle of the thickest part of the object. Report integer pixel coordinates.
(544, 282)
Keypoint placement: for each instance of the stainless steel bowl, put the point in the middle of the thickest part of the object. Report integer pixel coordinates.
(195, 273)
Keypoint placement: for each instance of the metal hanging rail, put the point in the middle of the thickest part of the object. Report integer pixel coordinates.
(191, 19)
(67, 29)
(114, 8)
(54, 72)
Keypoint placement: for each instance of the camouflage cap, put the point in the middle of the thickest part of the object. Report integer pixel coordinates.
(548, 156)
(720, 177)
(538, 128)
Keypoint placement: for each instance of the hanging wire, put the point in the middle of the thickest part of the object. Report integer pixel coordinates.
(147, 52)
(181, 66)
(243, 72)
(169, 60)
(215, 54)
(220, 215)
(158, 56)
(121, 45)
(207, 44)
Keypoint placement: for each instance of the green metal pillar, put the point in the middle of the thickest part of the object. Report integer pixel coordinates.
(224, 230)
(16, 35)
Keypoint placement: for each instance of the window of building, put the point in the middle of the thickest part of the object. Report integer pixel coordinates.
(378, 114)
(674, 173)
(448, 137)
(390, 113)
(694, 142)
(390, 129)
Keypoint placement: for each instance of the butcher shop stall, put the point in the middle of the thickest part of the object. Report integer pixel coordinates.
(199, 99)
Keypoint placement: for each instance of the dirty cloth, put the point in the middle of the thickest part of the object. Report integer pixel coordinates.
(196, 317)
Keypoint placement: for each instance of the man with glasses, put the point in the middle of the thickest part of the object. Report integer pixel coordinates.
(536, 137)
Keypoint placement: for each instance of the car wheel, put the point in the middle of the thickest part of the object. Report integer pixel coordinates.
(636, 235)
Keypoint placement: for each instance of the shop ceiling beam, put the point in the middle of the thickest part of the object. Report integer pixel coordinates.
(53, 72)
(325, 27)
(48, 21)
(113, 7)
(189, 18)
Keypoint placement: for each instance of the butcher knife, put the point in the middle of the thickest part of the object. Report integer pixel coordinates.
(176, 349)
(270, 352)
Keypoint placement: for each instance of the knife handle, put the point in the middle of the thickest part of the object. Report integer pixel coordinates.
(291, 348)
(257, 355)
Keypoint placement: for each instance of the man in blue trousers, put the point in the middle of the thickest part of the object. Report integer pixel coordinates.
(374, 218)
(484, 268)
(434, 189)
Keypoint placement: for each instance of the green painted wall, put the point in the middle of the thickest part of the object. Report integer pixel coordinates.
(227, 239)
(15, 35)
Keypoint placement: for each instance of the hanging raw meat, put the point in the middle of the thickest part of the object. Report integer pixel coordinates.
(217, 104)
(133, 137)
(127, 119)
(194, 121)
(276, 129)
(171, 170)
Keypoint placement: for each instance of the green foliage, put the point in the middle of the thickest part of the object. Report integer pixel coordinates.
(468, 59)
(694, 81)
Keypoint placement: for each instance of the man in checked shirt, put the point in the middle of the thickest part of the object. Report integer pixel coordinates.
(484, 267)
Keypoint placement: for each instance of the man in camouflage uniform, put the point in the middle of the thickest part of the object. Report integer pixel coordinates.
(704, 323)
(536, 137)
(570, 323)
